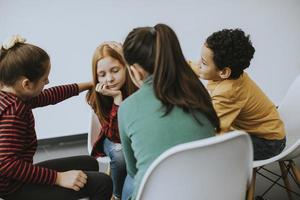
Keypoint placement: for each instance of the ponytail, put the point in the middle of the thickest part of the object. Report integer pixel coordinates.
(158, 51)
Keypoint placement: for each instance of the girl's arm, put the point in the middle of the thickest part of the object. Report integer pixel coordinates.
(57, 94)
(85, 86)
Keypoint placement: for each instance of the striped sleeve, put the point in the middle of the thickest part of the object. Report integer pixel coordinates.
(54, 95)
(15, 160)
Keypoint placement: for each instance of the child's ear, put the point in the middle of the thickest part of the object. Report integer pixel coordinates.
(137, 75)
(26, 84)
(225, 73)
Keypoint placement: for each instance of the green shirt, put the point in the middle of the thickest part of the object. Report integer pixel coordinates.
(146, 134)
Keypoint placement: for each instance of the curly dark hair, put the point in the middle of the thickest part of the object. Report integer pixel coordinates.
(231, 48)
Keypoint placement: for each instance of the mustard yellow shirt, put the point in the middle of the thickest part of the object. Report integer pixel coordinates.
(241, 104)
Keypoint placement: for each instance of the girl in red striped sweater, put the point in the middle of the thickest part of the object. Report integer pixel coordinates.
(24, 70)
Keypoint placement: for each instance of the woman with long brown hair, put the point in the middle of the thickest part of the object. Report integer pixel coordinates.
(171, 107)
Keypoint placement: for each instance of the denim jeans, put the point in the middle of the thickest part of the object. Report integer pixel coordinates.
(264, 149)
(117, 165)
(127, 188)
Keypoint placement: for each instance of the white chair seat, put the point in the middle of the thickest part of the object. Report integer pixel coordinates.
(219, 167)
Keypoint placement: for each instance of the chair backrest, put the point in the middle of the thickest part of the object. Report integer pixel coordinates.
(93, 132)
(219, 167)
(289, 110)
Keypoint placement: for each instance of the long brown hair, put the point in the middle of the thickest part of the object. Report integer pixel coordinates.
(102, 104)
(158, 51)
(22, 59)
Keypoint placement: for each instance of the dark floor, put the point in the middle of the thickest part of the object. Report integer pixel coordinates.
(79, 147)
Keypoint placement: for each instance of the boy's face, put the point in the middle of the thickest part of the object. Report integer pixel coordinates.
(208, 70)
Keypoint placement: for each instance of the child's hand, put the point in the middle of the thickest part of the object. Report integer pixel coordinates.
(74, 179)
(136, 77)
(116, 94)
(103, 89)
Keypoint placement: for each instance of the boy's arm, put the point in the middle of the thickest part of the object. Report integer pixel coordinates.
(57, 94)
(227, 110)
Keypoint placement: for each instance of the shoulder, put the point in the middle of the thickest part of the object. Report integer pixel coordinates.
(136, 103)
(231, 88)
(129, 103)
(11, 105)
(142, 94)
(224, 88)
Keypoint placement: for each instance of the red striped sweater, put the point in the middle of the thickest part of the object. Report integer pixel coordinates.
(18, 138)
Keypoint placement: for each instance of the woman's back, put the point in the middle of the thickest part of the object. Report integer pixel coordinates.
(171, 107)
(148, 133)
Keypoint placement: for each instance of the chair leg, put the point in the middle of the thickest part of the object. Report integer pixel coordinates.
(295, 171)
(284, 174)
(251, 189)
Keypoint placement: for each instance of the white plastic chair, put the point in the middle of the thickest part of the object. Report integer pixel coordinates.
(219, 167)
(94, 129)
(289, 110)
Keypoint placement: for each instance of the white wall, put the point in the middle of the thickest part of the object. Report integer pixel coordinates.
(70, 30)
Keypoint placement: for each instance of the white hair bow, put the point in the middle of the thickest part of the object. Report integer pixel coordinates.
(10, 42)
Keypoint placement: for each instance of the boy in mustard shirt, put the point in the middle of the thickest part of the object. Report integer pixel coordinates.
(238, 101)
